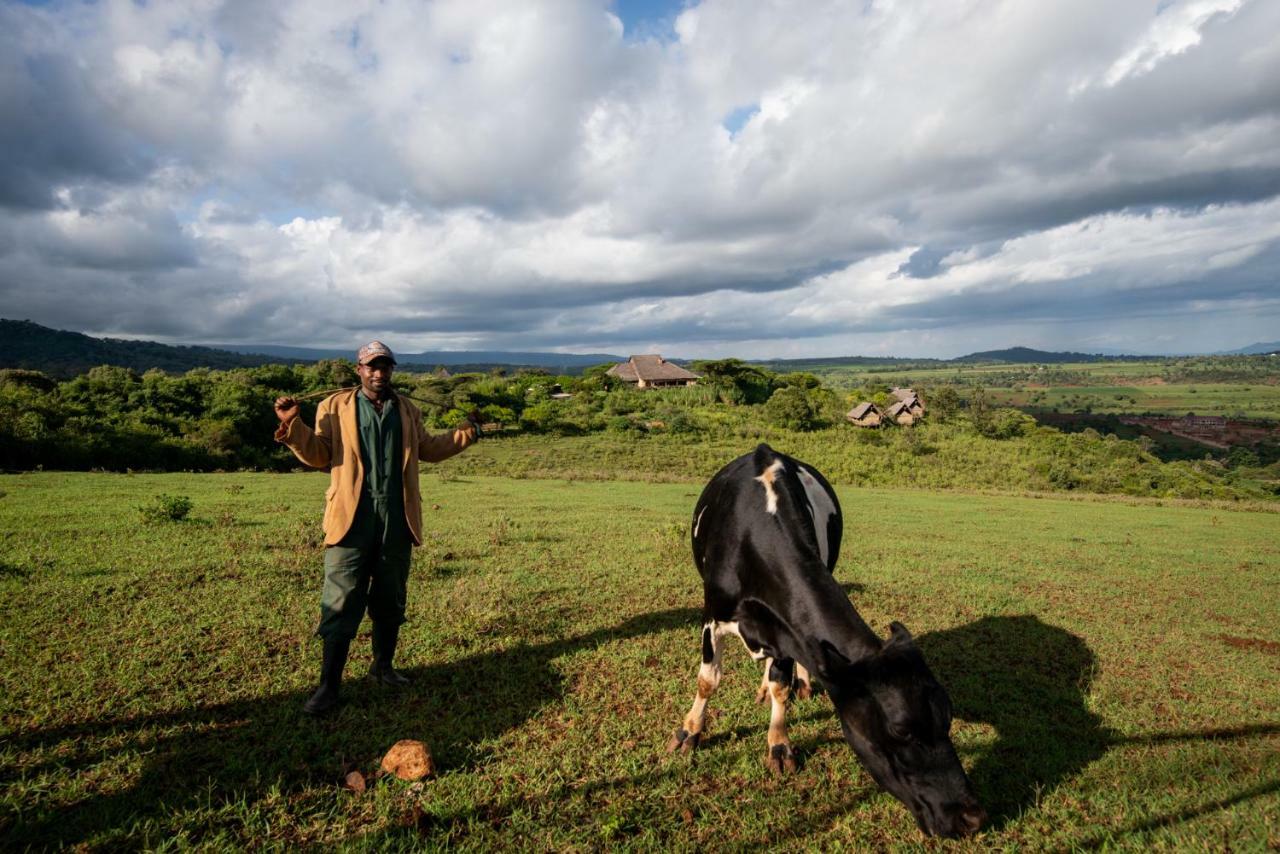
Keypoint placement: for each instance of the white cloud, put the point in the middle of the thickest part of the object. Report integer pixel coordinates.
(1171, 33)
(488, 171)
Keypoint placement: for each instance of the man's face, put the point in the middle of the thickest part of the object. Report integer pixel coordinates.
(375, 377)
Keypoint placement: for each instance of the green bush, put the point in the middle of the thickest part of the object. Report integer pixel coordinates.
(165, 508)
(791, 409)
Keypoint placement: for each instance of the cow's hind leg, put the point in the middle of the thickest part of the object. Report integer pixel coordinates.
(690, 733)
(762, 693)
(803, 684)
(781, 758)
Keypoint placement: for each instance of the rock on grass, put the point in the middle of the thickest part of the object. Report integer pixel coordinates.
(409, 760)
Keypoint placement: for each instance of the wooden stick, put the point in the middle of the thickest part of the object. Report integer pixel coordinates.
(329, 391)
(321, 393)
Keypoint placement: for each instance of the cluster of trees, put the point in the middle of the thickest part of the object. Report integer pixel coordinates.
(116, 418)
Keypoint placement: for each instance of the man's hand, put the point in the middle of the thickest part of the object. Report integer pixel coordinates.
(475, 419)
(286, 409)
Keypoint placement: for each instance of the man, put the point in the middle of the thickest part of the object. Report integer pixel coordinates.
(370, 439)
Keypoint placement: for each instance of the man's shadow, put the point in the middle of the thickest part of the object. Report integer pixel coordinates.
(242, 750)
(1028, 680)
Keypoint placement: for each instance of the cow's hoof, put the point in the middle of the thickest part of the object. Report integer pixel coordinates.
(803, 691)
(780, 759)
(684, 741)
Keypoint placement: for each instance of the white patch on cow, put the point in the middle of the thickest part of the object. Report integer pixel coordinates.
(822, 508)
(766, 477)
(732, 629)
(698, 521)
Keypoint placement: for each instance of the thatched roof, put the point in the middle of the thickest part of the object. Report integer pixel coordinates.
(649, 368)
(897, 408)
(904, 394)
(862, 410)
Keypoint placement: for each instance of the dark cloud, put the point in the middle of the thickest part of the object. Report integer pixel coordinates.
(53, 129)
(299, 173)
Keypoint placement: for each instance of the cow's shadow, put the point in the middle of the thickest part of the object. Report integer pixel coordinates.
(1028, 680)
(246, 750)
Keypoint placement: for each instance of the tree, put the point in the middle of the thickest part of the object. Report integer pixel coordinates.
(979, 409)
(736, 381)
(791, 409)
(944, 402)
(799, 379)
(598, 378)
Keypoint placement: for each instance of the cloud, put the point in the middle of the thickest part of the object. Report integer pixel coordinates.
(754, 176)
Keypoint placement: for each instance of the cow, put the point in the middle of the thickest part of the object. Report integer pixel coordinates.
(766, 534)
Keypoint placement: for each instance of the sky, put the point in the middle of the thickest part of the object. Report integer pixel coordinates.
(755, 178)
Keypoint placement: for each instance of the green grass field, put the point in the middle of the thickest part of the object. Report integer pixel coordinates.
(1230, 399)
(1114, 665)
(1121, 387)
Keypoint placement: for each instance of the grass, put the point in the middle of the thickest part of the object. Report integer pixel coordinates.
(1230, 399)
(1156, 386)
(926, 456)
(1114, 666)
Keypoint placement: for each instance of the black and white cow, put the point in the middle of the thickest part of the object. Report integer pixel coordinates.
(766, 535)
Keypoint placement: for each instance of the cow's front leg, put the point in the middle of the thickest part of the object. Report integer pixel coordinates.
(691, 731)
(780, 759)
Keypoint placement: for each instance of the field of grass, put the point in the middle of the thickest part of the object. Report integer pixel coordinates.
(837, 376)
(1114, 666)
(927, 456)
(1104, 387)
(1230, 399)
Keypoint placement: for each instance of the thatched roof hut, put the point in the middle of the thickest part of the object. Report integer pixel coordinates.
(865, 414)
(901, 413)
(652, 371)
(909, 397)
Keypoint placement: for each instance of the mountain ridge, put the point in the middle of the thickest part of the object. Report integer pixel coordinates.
(63, 354)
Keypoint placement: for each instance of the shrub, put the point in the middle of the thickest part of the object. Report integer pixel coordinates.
(622, 424)
(31, 379)
(166, 508)
(1009, 423)
(791, 409)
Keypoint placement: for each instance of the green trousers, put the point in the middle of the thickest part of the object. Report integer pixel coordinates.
(369, 568)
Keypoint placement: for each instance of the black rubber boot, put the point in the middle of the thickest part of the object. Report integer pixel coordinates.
(384, 650)
(326, 696)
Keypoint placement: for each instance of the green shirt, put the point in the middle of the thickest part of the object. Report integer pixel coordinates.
(380, 450)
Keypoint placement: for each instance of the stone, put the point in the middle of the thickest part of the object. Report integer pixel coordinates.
(355, 782)
(409, 760)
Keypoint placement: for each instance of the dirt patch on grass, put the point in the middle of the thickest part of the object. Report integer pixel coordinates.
(1267, 646)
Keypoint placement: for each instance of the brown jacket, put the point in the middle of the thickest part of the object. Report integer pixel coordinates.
(335, 445)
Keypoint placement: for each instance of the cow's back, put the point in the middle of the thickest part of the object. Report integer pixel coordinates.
(765, 505)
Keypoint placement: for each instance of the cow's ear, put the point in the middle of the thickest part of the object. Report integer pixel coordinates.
(833, 664)
(898, 633)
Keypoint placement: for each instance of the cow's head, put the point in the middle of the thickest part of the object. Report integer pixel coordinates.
(897, 718)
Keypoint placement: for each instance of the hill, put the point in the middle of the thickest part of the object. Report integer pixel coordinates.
(460, 359)
(819, 363)
(63, 354)
(1258, 349)
(1023, 355)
